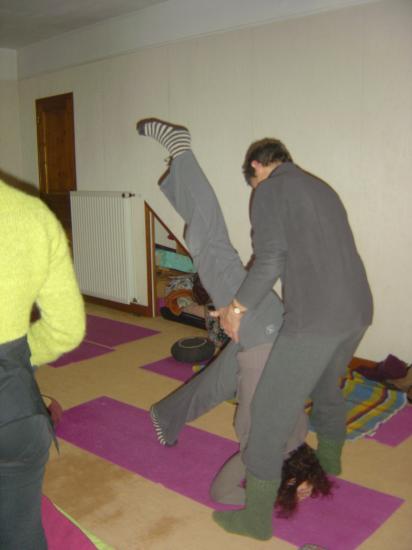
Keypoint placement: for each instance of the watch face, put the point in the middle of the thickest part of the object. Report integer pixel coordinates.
(236, 310)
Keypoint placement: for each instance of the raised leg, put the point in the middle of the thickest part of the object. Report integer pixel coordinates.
(215, 259)
(217, 262)
(213, 385)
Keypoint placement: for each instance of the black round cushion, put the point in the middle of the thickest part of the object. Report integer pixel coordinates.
(192, 350)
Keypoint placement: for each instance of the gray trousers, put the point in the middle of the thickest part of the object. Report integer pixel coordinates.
(236, 370)
(232, 374)
(227, 486)
(24, 451)
(299, 366)
(25, 438)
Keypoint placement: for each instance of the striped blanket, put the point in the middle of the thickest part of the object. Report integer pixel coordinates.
(369, 404)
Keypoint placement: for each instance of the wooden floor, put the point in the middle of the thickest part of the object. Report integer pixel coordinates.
(129, 512)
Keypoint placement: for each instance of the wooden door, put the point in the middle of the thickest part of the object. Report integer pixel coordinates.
(56, 154)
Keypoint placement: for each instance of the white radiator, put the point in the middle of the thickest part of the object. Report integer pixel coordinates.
(102, 244)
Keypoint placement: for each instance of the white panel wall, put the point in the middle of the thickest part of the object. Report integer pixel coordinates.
(336, 87)
(386, 173)
(10, 142)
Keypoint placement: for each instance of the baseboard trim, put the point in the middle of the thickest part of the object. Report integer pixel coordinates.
(137, 309)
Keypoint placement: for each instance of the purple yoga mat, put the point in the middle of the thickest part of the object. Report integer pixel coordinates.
(171, 368)
(102, 335)
(86, 350)
(124, 435)
(397, 429)
(113, 333)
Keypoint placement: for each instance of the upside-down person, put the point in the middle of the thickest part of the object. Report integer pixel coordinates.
(237, 368)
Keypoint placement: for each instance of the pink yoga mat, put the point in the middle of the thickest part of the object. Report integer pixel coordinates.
(124, 435)
(101, 337)
(171, 368)
(397, 429)
(113, 333)
(86, 350)
(61, 533)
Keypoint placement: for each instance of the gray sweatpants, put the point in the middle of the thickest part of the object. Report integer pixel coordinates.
(237, 368)
(25, 438)
(24, 451)
(227, 485)
(299, 366)
(217, 262)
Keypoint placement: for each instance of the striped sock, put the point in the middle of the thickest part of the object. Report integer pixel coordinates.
(158, 429)
(176, 139)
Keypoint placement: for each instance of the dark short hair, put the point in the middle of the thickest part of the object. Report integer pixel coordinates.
(265, 151)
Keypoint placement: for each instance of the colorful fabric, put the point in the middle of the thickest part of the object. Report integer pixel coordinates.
(369, 404)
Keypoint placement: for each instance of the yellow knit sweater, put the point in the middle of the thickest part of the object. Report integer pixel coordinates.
(36, 267)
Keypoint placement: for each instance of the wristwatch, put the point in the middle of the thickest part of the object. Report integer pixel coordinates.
(237, 309)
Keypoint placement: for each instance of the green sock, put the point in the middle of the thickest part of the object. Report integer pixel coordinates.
(329, 454)
(255, 520)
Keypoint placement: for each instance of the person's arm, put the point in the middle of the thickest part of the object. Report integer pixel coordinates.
(269, 247)
(61, 326)
(270, 250)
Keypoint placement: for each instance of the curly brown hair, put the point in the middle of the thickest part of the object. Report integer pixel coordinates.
(302, 465)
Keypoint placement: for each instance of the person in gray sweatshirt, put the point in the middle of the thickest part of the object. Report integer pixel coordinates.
(301, 235)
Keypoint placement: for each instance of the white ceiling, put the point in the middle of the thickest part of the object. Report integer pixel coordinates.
(24, 22)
